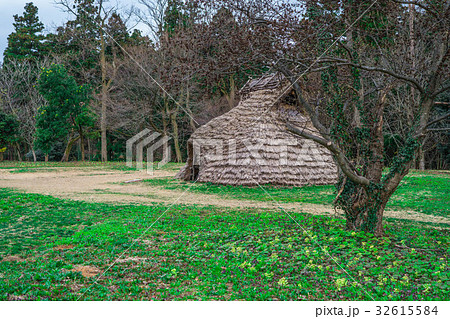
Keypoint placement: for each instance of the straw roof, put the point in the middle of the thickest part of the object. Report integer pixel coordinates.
(250, 145)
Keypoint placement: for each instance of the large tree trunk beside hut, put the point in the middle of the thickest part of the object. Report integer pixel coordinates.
(363, 194)
(363, 207)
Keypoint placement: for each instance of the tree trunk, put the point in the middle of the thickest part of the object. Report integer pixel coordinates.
(412, 40)
(104, 141)
(1, 156)
(19, 156)
(46, 157)
(421, 157)
(69, 146)
(176, 141)
(173, 122)
(364, 204)
(34, 155)
(363, 208)
(231, 96)
(89, 149)
(83, 154)
(188, 107)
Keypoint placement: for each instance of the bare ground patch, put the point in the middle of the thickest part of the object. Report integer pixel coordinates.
(102, 185)
(87, 271)
(13, 258)
(63, 247)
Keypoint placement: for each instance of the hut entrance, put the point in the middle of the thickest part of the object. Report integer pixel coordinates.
(195, 168)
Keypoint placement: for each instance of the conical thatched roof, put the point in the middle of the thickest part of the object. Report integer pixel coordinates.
(250, 145)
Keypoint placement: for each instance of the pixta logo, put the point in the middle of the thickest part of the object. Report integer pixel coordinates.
(151, 141)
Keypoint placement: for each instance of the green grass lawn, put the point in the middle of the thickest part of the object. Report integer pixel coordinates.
(428, 193)
(208, 253)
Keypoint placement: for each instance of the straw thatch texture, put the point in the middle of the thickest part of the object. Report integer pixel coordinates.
(250, 145)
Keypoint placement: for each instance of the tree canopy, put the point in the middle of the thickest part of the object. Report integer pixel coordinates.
(27, 40)
(67, 109)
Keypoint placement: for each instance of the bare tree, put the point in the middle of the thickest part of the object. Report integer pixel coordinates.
(21, 98)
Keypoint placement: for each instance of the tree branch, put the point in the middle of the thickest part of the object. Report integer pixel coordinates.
(439, 129)
(419, 4)
(298, 90)
(375, 69)
(443, 117)
(340, 157)
(445, 88)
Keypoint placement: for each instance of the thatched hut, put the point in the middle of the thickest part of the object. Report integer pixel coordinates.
(250, 145)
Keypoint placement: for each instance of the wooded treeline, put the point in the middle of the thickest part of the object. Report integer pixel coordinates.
(114, 82)
(171, 80)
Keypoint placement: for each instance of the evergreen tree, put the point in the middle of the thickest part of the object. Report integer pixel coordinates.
(136, 39)
(26, 42)
(90, 47)
(9, 131)
(67, 111)
(175, 17)
(76, 43)
(117, 32)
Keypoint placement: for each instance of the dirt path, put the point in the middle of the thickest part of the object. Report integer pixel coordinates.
(102, 185)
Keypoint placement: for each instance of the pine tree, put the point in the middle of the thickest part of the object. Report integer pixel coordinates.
(26, 42)
(76, 42)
